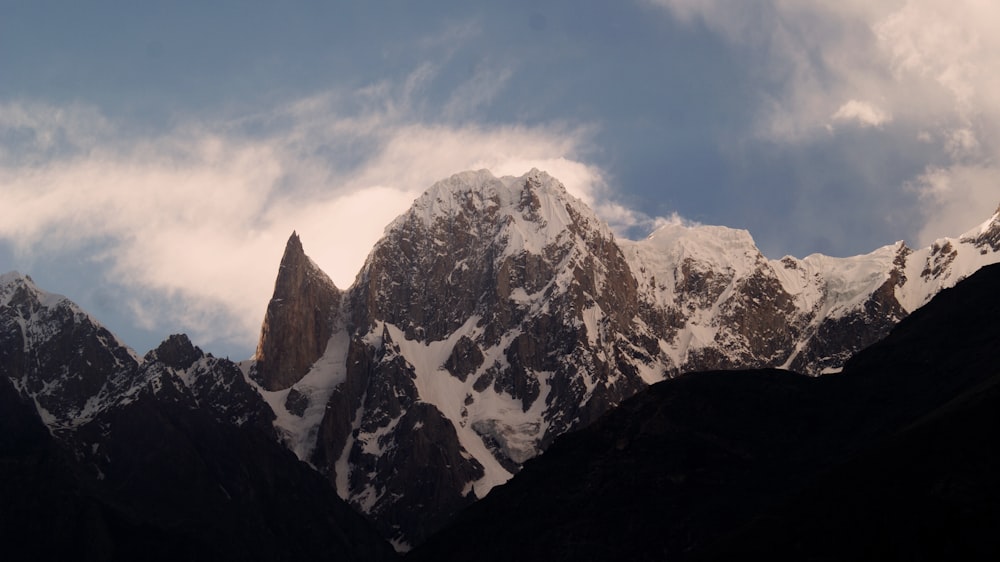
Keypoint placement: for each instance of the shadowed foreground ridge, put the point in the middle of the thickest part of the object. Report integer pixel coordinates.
(895, 459)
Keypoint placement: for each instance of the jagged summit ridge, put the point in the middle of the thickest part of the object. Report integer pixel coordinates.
(55, 353)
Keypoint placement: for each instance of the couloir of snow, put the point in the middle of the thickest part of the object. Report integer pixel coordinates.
(299, 432)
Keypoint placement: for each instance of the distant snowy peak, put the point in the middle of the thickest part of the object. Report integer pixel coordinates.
(42, 316)
(704, 241)
(717, 302)
(22, 288)
(55, 353)
(834, 284)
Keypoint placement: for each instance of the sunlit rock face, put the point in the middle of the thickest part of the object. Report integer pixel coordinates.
(299, 320)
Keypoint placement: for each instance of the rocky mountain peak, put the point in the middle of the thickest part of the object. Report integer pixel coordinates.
(468, 244)
(299, 320)
(176, 352)
(54, 352)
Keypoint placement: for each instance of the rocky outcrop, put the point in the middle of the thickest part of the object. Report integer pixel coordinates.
(299, 320)
(987, 237)
(205, 382)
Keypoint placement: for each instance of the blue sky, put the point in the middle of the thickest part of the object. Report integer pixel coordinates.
(154, 157)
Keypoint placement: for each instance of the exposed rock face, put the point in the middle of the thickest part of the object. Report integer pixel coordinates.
(299, 320)
(207, 383)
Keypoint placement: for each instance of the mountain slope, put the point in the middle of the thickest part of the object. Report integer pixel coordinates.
(893, 458)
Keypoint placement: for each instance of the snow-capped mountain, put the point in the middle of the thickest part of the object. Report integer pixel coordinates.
(499, 313)
(894, 459)
(56, 354)
(493, 316)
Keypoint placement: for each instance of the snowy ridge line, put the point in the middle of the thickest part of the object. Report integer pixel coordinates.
(12, 280)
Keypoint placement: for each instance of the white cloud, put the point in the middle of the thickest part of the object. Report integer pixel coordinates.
(931, 65)
(192, 222)
(863, 113)
(956, 199)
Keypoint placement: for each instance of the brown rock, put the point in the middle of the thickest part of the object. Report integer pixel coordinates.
(299, 320)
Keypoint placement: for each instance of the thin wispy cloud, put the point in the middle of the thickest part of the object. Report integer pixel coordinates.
(192, 222)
